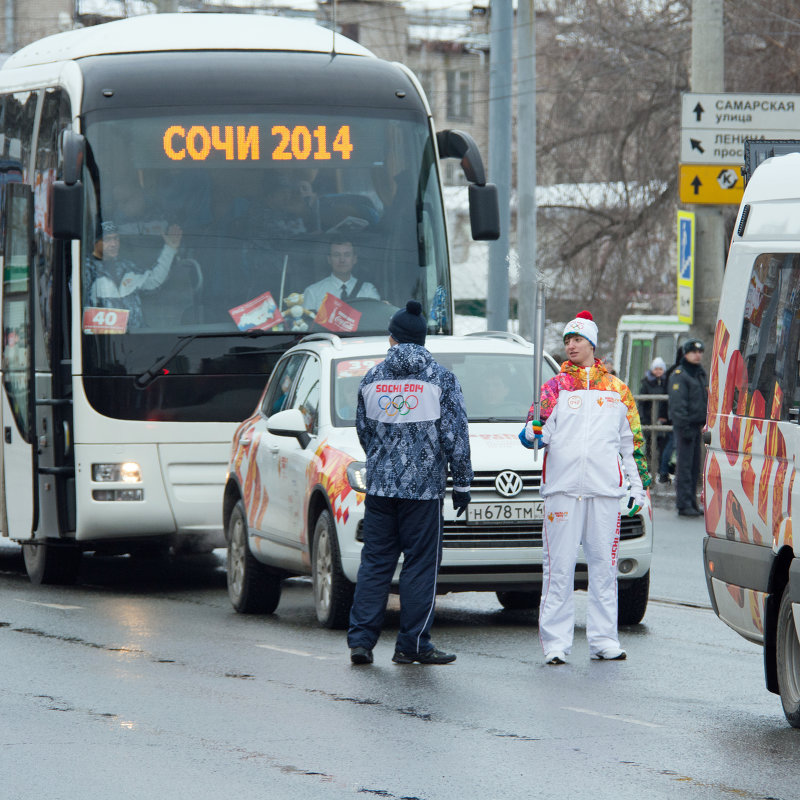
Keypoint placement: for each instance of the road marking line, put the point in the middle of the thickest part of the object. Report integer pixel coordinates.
(294, 652)
(616, 718)
(49, 605)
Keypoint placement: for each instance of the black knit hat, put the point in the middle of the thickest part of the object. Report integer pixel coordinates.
(408, 326)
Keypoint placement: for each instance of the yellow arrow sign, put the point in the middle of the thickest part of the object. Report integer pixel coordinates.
(714, 184)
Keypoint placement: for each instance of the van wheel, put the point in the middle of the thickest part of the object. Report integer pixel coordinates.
(252, 588)
(333, 593)
(632, 597)
(48, 563)
(518, 601)
(788, 661)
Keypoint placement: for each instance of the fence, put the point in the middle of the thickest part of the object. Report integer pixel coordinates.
(652, 430)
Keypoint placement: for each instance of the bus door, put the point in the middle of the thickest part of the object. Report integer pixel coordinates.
(17, 406)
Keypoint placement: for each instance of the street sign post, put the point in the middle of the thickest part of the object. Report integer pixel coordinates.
(714, 128)
(711, 184)
(686, 230)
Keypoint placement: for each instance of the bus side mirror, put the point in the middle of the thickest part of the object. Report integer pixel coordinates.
(73, 151)
(66, 210)
(484, 209)
(484, 212)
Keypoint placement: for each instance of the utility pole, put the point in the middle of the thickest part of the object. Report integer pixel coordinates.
(526, 166)
(501, 41)
(10, 36)
(708, 75)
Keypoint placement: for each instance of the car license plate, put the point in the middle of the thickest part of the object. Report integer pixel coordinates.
(499, 513)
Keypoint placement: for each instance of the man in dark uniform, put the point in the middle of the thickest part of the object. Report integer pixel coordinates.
(688, 402)
(412, 423)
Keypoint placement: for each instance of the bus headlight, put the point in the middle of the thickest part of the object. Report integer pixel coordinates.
(127, 472)
(357, 476)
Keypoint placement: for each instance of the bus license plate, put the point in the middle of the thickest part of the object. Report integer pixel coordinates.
(498, 513)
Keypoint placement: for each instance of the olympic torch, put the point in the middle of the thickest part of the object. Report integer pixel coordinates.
(538, 354)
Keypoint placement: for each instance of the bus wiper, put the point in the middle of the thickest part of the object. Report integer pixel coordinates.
(149, 375)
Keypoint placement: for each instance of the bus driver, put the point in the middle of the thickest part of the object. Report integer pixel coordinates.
(341, 282)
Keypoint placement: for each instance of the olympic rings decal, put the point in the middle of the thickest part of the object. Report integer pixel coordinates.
(392, 406)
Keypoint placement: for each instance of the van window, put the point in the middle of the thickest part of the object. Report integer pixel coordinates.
(771, 335)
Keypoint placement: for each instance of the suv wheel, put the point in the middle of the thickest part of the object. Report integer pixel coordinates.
(632, 597)
(515, 601)
(788, 661)
(252, 588)
(333, 593)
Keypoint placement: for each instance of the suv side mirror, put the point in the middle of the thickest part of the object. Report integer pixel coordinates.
(289, 423)
(484, 210)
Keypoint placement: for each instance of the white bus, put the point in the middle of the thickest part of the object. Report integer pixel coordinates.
(171, 185)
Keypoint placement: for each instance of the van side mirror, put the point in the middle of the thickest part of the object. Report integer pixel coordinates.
(484, 209)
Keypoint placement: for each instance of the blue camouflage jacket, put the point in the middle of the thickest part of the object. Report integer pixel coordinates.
(412, 423)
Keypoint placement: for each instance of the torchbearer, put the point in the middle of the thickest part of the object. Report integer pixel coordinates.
(590, 428)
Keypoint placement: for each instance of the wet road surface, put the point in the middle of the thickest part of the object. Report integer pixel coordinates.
(142, 682)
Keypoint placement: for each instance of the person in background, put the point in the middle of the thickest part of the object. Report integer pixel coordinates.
(655, 382)
(412, 423)
(591, 432)
(114, 282)
(688, 403)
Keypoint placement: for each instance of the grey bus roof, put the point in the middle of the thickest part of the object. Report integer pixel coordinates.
(163, 32)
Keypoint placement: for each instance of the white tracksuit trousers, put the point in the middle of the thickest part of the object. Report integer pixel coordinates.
(569, 522)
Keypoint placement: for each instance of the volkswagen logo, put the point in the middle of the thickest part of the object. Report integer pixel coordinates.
(508, 483)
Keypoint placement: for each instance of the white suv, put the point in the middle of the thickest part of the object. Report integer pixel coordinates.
(292, 503)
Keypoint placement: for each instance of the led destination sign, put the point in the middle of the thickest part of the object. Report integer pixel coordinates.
(244, 142)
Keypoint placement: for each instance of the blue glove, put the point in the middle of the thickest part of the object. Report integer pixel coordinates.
(530, 434)
(460, 501)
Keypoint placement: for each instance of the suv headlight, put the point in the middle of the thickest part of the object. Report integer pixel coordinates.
(357, 476)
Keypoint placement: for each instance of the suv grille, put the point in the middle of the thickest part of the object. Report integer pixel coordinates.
(484, 481)
(523, 534)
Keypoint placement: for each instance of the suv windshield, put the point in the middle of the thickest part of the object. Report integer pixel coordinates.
(496, 389)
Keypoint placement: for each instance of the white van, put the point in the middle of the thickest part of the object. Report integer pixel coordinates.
(642, 337)
(750, 485)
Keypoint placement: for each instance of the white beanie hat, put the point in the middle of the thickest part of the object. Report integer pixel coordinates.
(583, 325)
(658, 363)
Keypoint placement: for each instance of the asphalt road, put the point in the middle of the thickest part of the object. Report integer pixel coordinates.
(143, 683)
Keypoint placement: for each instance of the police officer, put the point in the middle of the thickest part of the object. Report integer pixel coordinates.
(688, 402)
(412, 423)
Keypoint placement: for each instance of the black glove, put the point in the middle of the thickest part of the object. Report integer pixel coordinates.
(460, 501)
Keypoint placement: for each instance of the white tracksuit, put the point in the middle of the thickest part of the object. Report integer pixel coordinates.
(589, 440)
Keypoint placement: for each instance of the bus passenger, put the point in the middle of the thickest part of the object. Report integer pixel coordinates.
(342, 257)
(116, 283)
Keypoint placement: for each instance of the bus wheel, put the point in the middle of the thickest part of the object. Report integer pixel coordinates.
(333, 593)
(632, 597)
(48, 563)
(252, 588)
(519, 601)
(788, 660)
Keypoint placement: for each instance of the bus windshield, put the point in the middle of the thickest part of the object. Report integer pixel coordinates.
(269, 221)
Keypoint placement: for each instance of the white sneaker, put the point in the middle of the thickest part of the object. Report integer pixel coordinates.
(555, 657)
(610, 654)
